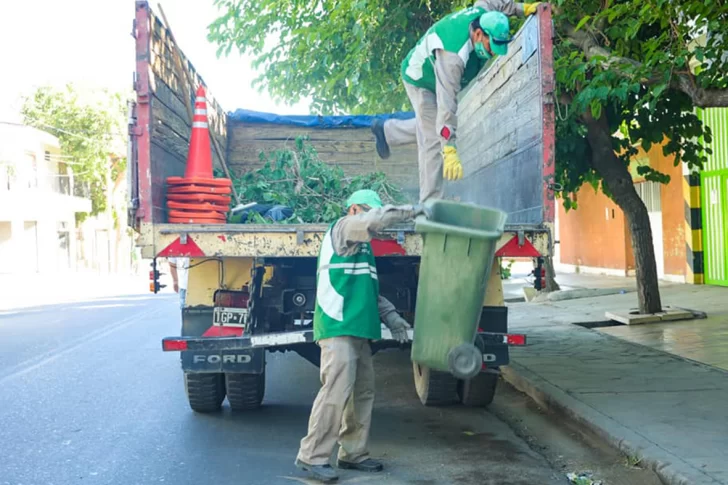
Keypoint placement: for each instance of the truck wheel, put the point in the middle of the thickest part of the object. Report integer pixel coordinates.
(434, 388)
(478, 391)
(205, 392)
(244, 391)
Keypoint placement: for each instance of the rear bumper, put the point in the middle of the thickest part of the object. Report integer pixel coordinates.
(494, 345)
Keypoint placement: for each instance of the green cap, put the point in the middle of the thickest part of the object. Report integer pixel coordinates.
(497, 27)
(364, 197)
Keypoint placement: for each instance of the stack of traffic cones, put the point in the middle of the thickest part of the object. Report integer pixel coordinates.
(198, 197)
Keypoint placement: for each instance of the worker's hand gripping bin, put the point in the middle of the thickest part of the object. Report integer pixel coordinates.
(459, 246)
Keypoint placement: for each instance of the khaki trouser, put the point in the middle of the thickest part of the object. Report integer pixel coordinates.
(429, 144)
(343, 408)
(400, 132)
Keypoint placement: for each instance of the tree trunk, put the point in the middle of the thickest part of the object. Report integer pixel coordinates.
(619, 181)
(551, 284)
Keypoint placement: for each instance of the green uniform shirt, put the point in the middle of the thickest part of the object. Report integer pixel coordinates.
(347, 289)
(452, 34)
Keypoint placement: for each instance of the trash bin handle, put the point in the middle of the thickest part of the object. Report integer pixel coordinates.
(422, 225)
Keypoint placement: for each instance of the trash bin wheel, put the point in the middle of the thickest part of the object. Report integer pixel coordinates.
(434, 388)
(479, 391)
(465, 361)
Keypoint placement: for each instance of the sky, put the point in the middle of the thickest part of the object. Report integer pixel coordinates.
(89, 42)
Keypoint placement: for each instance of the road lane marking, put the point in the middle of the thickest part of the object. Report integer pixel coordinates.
(53, 355)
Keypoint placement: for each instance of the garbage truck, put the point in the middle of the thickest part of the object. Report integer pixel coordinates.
(251, 287)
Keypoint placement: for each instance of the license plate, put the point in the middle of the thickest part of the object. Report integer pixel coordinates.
(231, 317)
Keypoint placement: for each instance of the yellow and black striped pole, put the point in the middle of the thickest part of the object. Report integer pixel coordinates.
(694, 270)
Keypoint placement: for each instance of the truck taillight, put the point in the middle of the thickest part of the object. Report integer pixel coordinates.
(172, 345)
(516, 339)
(232, 299)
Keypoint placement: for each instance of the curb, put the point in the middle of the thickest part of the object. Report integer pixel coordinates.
(615, 434)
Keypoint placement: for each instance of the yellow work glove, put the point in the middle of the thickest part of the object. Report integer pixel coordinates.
(530, 8)
(452, 169)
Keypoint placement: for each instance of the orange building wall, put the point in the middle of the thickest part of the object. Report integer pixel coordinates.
(596, 234)
(593, 234)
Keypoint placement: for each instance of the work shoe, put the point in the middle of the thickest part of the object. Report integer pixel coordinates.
(368, 465)
(324, 473)
(382, 145)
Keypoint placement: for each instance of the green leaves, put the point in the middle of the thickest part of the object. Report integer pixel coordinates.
(596, 108)
(582, 22)
(315, 190)
(345, 55)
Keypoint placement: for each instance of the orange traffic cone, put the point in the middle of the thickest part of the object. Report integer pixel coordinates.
(218, 216)
(199, 189)
(197, 207)
(199, 197)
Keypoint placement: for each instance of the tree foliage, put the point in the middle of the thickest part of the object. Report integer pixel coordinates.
(344, 54)
(90, 126)
(316, 191)
(629, 64)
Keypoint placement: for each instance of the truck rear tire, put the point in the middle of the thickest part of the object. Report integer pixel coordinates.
(205, 391)
(434, 388)
(245, 391)
(479, 391)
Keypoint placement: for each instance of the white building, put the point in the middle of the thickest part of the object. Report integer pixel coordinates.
(38, 202)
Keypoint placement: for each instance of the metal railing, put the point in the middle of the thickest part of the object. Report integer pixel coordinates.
(10, 181)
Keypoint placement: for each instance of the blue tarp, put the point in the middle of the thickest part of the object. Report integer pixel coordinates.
(353, 121)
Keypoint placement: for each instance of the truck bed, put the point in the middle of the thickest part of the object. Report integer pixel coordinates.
(290, 240)
(508, 163)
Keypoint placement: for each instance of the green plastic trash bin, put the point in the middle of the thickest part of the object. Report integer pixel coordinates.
(459, 243)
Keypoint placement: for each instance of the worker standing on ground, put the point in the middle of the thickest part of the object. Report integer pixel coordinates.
(349, 312)
(450, 54)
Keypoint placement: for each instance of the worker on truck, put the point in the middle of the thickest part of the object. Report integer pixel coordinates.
(349, 311)
(434, 72)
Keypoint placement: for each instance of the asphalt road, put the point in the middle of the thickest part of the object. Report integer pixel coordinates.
(87, 396)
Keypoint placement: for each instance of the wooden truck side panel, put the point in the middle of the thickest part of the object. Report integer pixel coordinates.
(161, 128)
(506, 131)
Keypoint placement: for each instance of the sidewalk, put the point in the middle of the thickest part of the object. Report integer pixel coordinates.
(29, 290)
(636, 391)
(569, 282)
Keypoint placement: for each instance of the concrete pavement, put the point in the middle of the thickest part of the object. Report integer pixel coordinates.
(87, 396)
(658, 406)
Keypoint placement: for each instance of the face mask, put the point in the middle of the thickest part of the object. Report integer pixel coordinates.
(481, 52)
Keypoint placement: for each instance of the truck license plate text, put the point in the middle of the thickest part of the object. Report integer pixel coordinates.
(229, 316)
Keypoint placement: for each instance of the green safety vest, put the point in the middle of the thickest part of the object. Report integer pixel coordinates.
(451, 34)
(347, 291)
